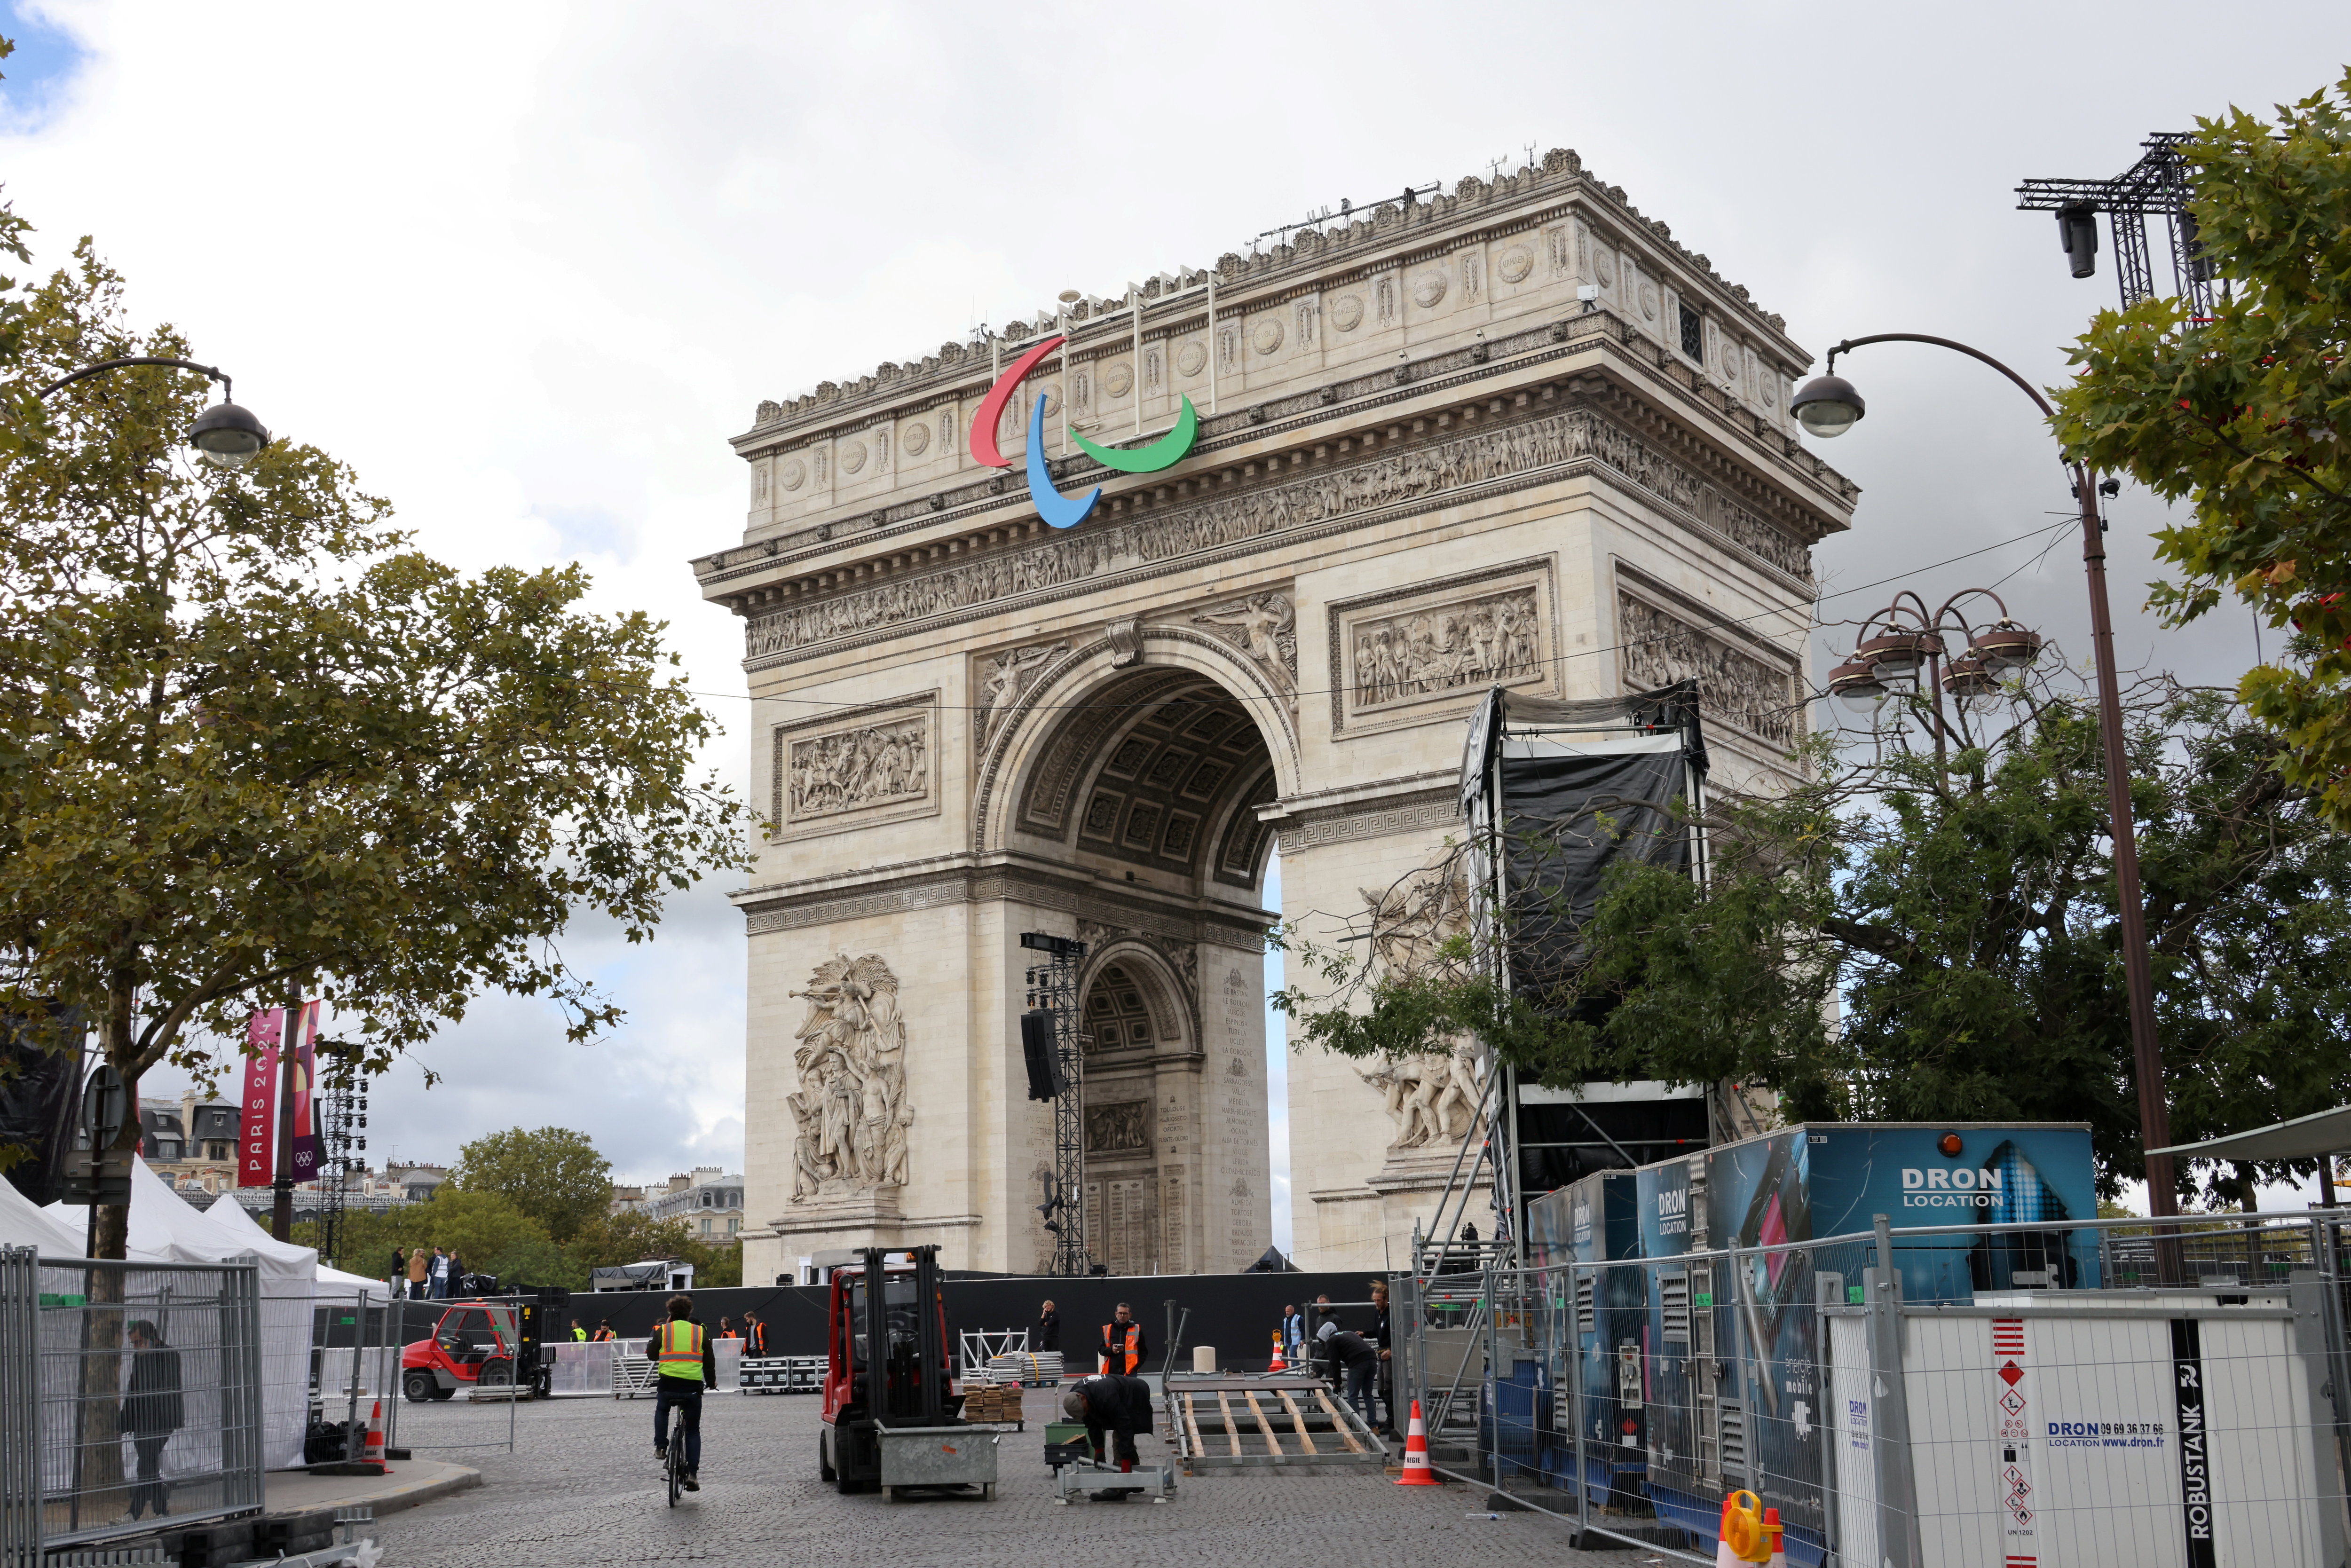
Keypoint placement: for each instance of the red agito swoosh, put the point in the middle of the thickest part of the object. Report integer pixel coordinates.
(991, 407)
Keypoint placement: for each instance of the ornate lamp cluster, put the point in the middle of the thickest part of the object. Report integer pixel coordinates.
(1908, 647)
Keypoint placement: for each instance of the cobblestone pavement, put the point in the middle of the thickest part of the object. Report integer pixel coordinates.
(583, 1487)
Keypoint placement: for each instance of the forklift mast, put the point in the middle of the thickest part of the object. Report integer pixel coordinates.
(906, 1369)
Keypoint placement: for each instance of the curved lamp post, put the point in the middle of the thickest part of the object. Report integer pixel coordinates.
(225, 435)
(1828, 406)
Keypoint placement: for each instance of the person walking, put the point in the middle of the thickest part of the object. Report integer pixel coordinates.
(1124, 1347)
(687, 1364)
(1382, 1336)
(1049, 1330)
(152, 1411)
(456, 1276)
(1352, 1353)
(439, 1275)
(755, 1336)
(1290, 1322)
(398, 1277)
(420, 1273)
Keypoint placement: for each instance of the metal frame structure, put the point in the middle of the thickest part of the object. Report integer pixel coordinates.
(1252, 1414)
(342, 1123)
(2154, 187)
(1053, 985)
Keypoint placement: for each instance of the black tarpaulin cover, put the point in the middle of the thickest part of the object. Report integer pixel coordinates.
(37, 1105)
(1559, 792)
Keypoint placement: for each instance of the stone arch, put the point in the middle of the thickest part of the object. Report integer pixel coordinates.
(1139, 1099)
(1054, 743)
(1169, 996)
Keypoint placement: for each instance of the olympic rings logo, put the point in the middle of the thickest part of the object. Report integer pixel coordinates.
(1058, 510)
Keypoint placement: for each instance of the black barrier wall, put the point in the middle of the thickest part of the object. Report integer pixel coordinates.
(1237, 1313)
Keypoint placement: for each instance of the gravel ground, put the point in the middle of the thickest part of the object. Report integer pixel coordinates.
(582, 1486)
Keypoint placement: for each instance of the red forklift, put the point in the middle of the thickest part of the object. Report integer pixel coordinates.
(892, 1418)
(485, 1342)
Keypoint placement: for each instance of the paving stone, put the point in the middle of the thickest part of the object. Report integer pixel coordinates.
(583, 1487)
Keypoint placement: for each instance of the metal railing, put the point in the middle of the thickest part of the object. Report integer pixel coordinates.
(125, 1390)
(2083, 1392)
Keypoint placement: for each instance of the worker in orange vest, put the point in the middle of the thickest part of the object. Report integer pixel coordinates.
(754, 1334)
(1122, 1347)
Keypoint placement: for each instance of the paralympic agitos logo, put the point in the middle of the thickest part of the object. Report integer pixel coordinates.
(1068, 511)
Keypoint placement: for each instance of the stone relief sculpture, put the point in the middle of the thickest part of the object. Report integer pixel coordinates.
(1475, 643)
(1660, 649)
(1265, 627)
(856, 768)
(849, 1114)
(1122, 1128)
(1310, 313)
(1003, 679)
(1433, 1097)
(1375, 482)
(1384, 299)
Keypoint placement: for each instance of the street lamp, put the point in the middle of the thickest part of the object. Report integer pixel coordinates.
(225, 435)
(1829, 406)
(1910, 654)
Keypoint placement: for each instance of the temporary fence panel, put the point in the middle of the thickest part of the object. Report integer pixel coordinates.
(175, 1421)
(20, 1408)
(579, 1368)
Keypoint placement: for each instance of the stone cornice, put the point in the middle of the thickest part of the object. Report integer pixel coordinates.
(944, 880)
(1388, 237)
(1788, 469)
(1534, 438)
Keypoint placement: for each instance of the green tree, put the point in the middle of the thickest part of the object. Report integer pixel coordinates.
(489, 1233)
(250, 743)
(613, 1239)
(2246, 417)
(553, 1173)
(1962, 918)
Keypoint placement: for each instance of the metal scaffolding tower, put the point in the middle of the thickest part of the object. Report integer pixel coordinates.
(1054, 988)
(2154, 187)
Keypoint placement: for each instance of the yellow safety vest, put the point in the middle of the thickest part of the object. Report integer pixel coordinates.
(681, 1349)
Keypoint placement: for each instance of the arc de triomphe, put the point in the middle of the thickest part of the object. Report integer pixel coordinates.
(1514, 433)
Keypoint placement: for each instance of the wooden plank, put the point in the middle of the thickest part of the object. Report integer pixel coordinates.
(1192, 1420)
(1298, 1421)
(1272, 1443)
(1232, 1434)
(1338, 1422)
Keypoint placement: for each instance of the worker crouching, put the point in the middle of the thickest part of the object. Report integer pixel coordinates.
(1111, 1406)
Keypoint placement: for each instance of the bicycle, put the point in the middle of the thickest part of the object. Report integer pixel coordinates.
(673, 1451)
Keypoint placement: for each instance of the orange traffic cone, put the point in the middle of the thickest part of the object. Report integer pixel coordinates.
(1277, 1364)
(372, 1453)
(1778, 1546)
(1417, 1472)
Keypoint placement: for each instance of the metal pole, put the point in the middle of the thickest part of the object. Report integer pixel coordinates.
(1212, 339)
(1135, 293)
(1574, 1331)
(2139, 973)
(281, 1208)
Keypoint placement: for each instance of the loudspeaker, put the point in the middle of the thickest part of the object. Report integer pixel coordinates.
(1036, 1048)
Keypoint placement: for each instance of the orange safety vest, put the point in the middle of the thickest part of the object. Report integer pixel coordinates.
(681, 1349)
(1110, 1351)
(759, 1337)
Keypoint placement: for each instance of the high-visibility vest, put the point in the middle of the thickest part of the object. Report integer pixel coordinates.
(1130, 1352)
(578, 1333)
(758, 1339)
(681, 1349)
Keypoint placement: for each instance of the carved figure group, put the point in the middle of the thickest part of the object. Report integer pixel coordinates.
(1432, 1097)
(1264, 626)
(1660, 648)
(859, 767)
(1470, 644)
(849, 1114)
(1004, 678)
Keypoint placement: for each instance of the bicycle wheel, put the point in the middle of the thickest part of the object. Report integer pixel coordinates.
(676, 1456)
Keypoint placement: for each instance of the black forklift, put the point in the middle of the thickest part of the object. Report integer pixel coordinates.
(892, 1418)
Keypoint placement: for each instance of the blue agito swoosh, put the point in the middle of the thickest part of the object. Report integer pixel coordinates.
(1057, 509)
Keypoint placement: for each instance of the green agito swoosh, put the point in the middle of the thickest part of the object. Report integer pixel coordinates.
(1164, 453)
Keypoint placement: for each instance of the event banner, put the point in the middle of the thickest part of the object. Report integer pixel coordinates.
(257, 1144)
(303, 1044)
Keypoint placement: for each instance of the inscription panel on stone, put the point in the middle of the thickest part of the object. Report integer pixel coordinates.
(852, 770)
(1413, 653)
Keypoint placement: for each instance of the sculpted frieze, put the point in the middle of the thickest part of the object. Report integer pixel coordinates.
(882, 764)
(849, 1114)
(1473, 643)
(1265, 627)
(1394, 478)
(1003, 677)
(1660, 648)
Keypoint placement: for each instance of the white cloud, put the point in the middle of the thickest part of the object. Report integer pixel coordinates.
(528, 273)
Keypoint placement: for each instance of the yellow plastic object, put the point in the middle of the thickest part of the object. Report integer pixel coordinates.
(1743, 1528)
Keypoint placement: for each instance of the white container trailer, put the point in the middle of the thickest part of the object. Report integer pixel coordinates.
(2081, 1430)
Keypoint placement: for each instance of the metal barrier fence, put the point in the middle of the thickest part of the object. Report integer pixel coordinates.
(125, 1389)
(1940, 1395)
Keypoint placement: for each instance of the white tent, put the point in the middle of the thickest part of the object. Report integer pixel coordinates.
(332, 1284)
(166, 1226)
(24, 1223)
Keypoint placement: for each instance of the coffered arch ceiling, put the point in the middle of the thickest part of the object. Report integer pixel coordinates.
(1160, 771)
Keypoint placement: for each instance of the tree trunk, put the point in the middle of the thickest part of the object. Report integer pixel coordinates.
(114, 1042)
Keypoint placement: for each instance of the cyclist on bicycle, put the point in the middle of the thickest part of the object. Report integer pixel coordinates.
(687, 1365)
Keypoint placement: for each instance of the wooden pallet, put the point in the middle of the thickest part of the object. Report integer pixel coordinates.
(1227, 1422)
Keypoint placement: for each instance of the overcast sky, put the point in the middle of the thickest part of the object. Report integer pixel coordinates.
(528, 266)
